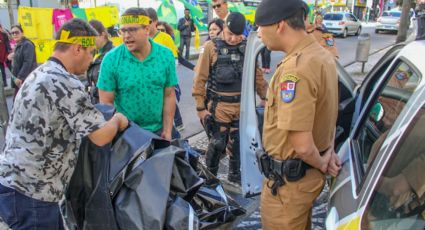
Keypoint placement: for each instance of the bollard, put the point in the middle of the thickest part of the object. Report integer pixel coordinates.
(363, 48)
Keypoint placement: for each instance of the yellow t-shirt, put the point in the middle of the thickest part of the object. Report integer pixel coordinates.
(167, 41)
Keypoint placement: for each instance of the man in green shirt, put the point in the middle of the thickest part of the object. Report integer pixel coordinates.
(139, 77)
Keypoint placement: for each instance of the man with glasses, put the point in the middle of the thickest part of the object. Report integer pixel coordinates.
(217, 93)
(51, 115)
(139, 77)
(221, 9)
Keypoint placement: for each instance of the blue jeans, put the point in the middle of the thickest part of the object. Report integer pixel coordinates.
(23, 212)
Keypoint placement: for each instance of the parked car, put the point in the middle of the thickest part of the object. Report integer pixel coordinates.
(341, 23)
(390, 21)
(380, 137)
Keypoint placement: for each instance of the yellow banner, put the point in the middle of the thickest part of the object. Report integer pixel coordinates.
(36, 22)
(43, 49)
(108, 15)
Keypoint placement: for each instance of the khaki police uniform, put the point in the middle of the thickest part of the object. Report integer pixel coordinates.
(224, 112)
(303, 96)
(325, 39)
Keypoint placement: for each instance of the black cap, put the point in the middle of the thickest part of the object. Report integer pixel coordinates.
(273, 11)
(236, 23)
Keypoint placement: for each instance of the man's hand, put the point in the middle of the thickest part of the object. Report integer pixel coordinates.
(334, 164)
(166, 135)
(10, 56)
(123, 121)
(262, 103)
(325, 161)
(18, 82)
(202, 114)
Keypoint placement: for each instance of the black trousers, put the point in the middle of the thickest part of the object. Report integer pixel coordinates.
(265, 58)
(3, 72)
(185, 41)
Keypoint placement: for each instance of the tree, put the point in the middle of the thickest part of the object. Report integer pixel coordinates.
(10, 9)
(404, 21)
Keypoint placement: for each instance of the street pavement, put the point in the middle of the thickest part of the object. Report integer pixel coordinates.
(346, 47)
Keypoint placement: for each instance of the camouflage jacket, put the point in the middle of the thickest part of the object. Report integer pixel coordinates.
(51, 114)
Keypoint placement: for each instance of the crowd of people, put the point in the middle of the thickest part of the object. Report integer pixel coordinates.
(53, 110)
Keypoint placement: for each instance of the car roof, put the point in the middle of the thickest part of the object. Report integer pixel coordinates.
(413, 52)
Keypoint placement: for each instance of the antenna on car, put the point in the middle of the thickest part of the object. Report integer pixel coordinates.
(420, 17)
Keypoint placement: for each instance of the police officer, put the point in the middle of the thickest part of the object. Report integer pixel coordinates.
(217, 91)
(300, 117)
(322, 35)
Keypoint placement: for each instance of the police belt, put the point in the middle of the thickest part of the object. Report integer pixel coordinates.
(278, 170)
(220, 98)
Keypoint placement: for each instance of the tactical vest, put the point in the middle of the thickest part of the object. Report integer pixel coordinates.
(226, 73)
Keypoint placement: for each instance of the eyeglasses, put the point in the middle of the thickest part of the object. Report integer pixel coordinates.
(15, 32)
(130, 30)
(216, 6)
(160, 29)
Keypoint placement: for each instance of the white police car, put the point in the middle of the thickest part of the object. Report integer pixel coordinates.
(380, 137)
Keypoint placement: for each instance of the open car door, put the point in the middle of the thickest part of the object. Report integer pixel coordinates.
(251, 119)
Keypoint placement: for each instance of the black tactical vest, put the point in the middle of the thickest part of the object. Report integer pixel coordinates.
(226, 74)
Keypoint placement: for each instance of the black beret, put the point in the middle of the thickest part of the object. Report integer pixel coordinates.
(236, 23)
(273, 11)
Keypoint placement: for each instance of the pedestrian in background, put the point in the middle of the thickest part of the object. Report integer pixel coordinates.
(51, 115)
(215, 27)
(300, 117)
(320, 33)
(103, 46)
(23, 58)
(186, 27)
(165, 27)
(166, 40)
(5, 49)
(139, 77)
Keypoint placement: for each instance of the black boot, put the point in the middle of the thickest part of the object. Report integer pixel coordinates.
(234, 174)
(215, 149)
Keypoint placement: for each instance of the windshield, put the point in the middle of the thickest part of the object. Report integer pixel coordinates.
(391, 14)
(333, 17)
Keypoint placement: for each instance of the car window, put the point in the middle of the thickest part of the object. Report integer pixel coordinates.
(383, 112)
(333, 17)
(398, 201)
(395, 14)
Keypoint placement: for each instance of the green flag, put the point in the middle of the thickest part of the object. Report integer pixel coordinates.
(195, 12)
(167, 12)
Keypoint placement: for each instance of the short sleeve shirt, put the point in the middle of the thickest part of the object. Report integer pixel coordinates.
(139, 85)
(51, 115)
(303, 96)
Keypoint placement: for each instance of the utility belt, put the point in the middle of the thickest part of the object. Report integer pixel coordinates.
(212, 96)
(276, 170)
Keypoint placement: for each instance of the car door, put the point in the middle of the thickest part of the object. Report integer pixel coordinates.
(251, 119)
(389, 102)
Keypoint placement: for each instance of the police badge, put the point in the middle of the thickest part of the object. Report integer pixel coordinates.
(288, 84)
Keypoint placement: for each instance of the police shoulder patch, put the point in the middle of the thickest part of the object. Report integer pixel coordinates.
(329, 39)
(288, 85)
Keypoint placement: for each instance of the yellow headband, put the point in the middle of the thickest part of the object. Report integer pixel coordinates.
(84, 41)
(135, 19)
